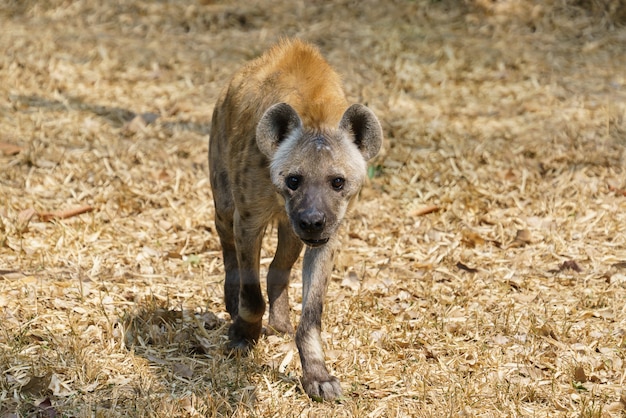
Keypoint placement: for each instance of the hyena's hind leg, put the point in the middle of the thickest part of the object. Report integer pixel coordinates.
(287, 252)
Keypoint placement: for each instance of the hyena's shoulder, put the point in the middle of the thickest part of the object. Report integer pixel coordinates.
(293, 72)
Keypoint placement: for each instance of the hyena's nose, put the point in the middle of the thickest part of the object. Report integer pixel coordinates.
(312, 221)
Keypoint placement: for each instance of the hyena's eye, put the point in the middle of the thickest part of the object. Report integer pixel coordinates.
(338, 183)
(293, 182)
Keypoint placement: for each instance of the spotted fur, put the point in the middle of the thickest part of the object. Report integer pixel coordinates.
(286, 148)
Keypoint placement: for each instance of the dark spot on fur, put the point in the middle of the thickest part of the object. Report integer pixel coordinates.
(223, 180)
(246, 214)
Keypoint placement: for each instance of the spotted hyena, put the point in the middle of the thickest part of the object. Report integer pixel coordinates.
(285, 147)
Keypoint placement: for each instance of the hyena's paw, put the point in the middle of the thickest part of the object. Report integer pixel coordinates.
(243, 335)
(325, 388)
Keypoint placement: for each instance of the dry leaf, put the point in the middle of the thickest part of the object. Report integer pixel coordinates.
(59, 387)
(9, 149)
(351, 280)
(510, 175)
(617, 191)
(500, 339)
(472, 156)
(472, 239)
(616, 407)
(466, 268)
(570, 265)
(64, 214)
(547, 331)
(579, 374)
(187, 403)
(425, 210)
(210, 321)
(523, 235)
(46, 409)
(139, 122)
(24, 217)
(522, 238)
(182, 370)
(286, 361)
(136, 124)
(37, 385)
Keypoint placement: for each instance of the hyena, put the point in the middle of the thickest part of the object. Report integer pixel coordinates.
(285, 147)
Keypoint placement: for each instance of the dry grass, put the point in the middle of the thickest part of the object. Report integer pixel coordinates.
(483, 273)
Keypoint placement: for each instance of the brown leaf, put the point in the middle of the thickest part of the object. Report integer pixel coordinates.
(425, 210)
(510, 175)
(523, 235)
(570, 265)
(522, 238)
(9, 149)
(472, 239)
(618, 192)
(547, 331)
(182, 370)
(466, 268)
(64, 214)
(46, 409)
(24, 217)
(579, 374)
(210, 320)
(59, 387)
(37, 385)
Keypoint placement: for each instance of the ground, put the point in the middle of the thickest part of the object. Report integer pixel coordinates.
(482, 273)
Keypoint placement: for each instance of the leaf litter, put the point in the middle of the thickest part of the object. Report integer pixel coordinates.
(503, 162)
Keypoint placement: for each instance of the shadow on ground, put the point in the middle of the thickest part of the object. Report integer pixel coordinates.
(116, 116)
(187, 349)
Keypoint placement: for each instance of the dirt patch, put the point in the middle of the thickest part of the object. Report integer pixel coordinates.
(483, 272)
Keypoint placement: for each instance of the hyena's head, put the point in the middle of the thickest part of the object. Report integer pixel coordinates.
(318, 172)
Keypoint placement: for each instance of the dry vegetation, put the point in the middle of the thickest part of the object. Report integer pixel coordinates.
(483, 273)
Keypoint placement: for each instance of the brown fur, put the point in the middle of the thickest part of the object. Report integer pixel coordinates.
(286, 147)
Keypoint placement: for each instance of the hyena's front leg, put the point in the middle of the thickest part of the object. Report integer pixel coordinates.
(246, 327)
(316, 380)
(287, 252)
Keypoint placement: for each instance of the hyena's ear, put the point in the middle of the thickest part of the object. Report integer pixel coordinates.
(277, 123)
(368, 135)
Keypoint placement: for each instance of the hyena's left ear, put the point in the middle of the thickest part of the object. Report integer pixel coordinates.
(277, 123)
(368, 135)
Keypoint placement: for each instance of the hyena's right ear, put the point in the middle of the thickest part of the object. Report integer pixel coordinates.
(278, 122)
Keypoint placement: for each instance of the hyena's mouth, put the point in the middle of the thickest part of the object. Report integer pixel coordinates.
(315, 242)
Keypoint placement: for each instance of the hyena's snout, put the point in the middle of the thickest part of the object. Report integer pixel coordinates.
(312, 224)
(312, 221)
